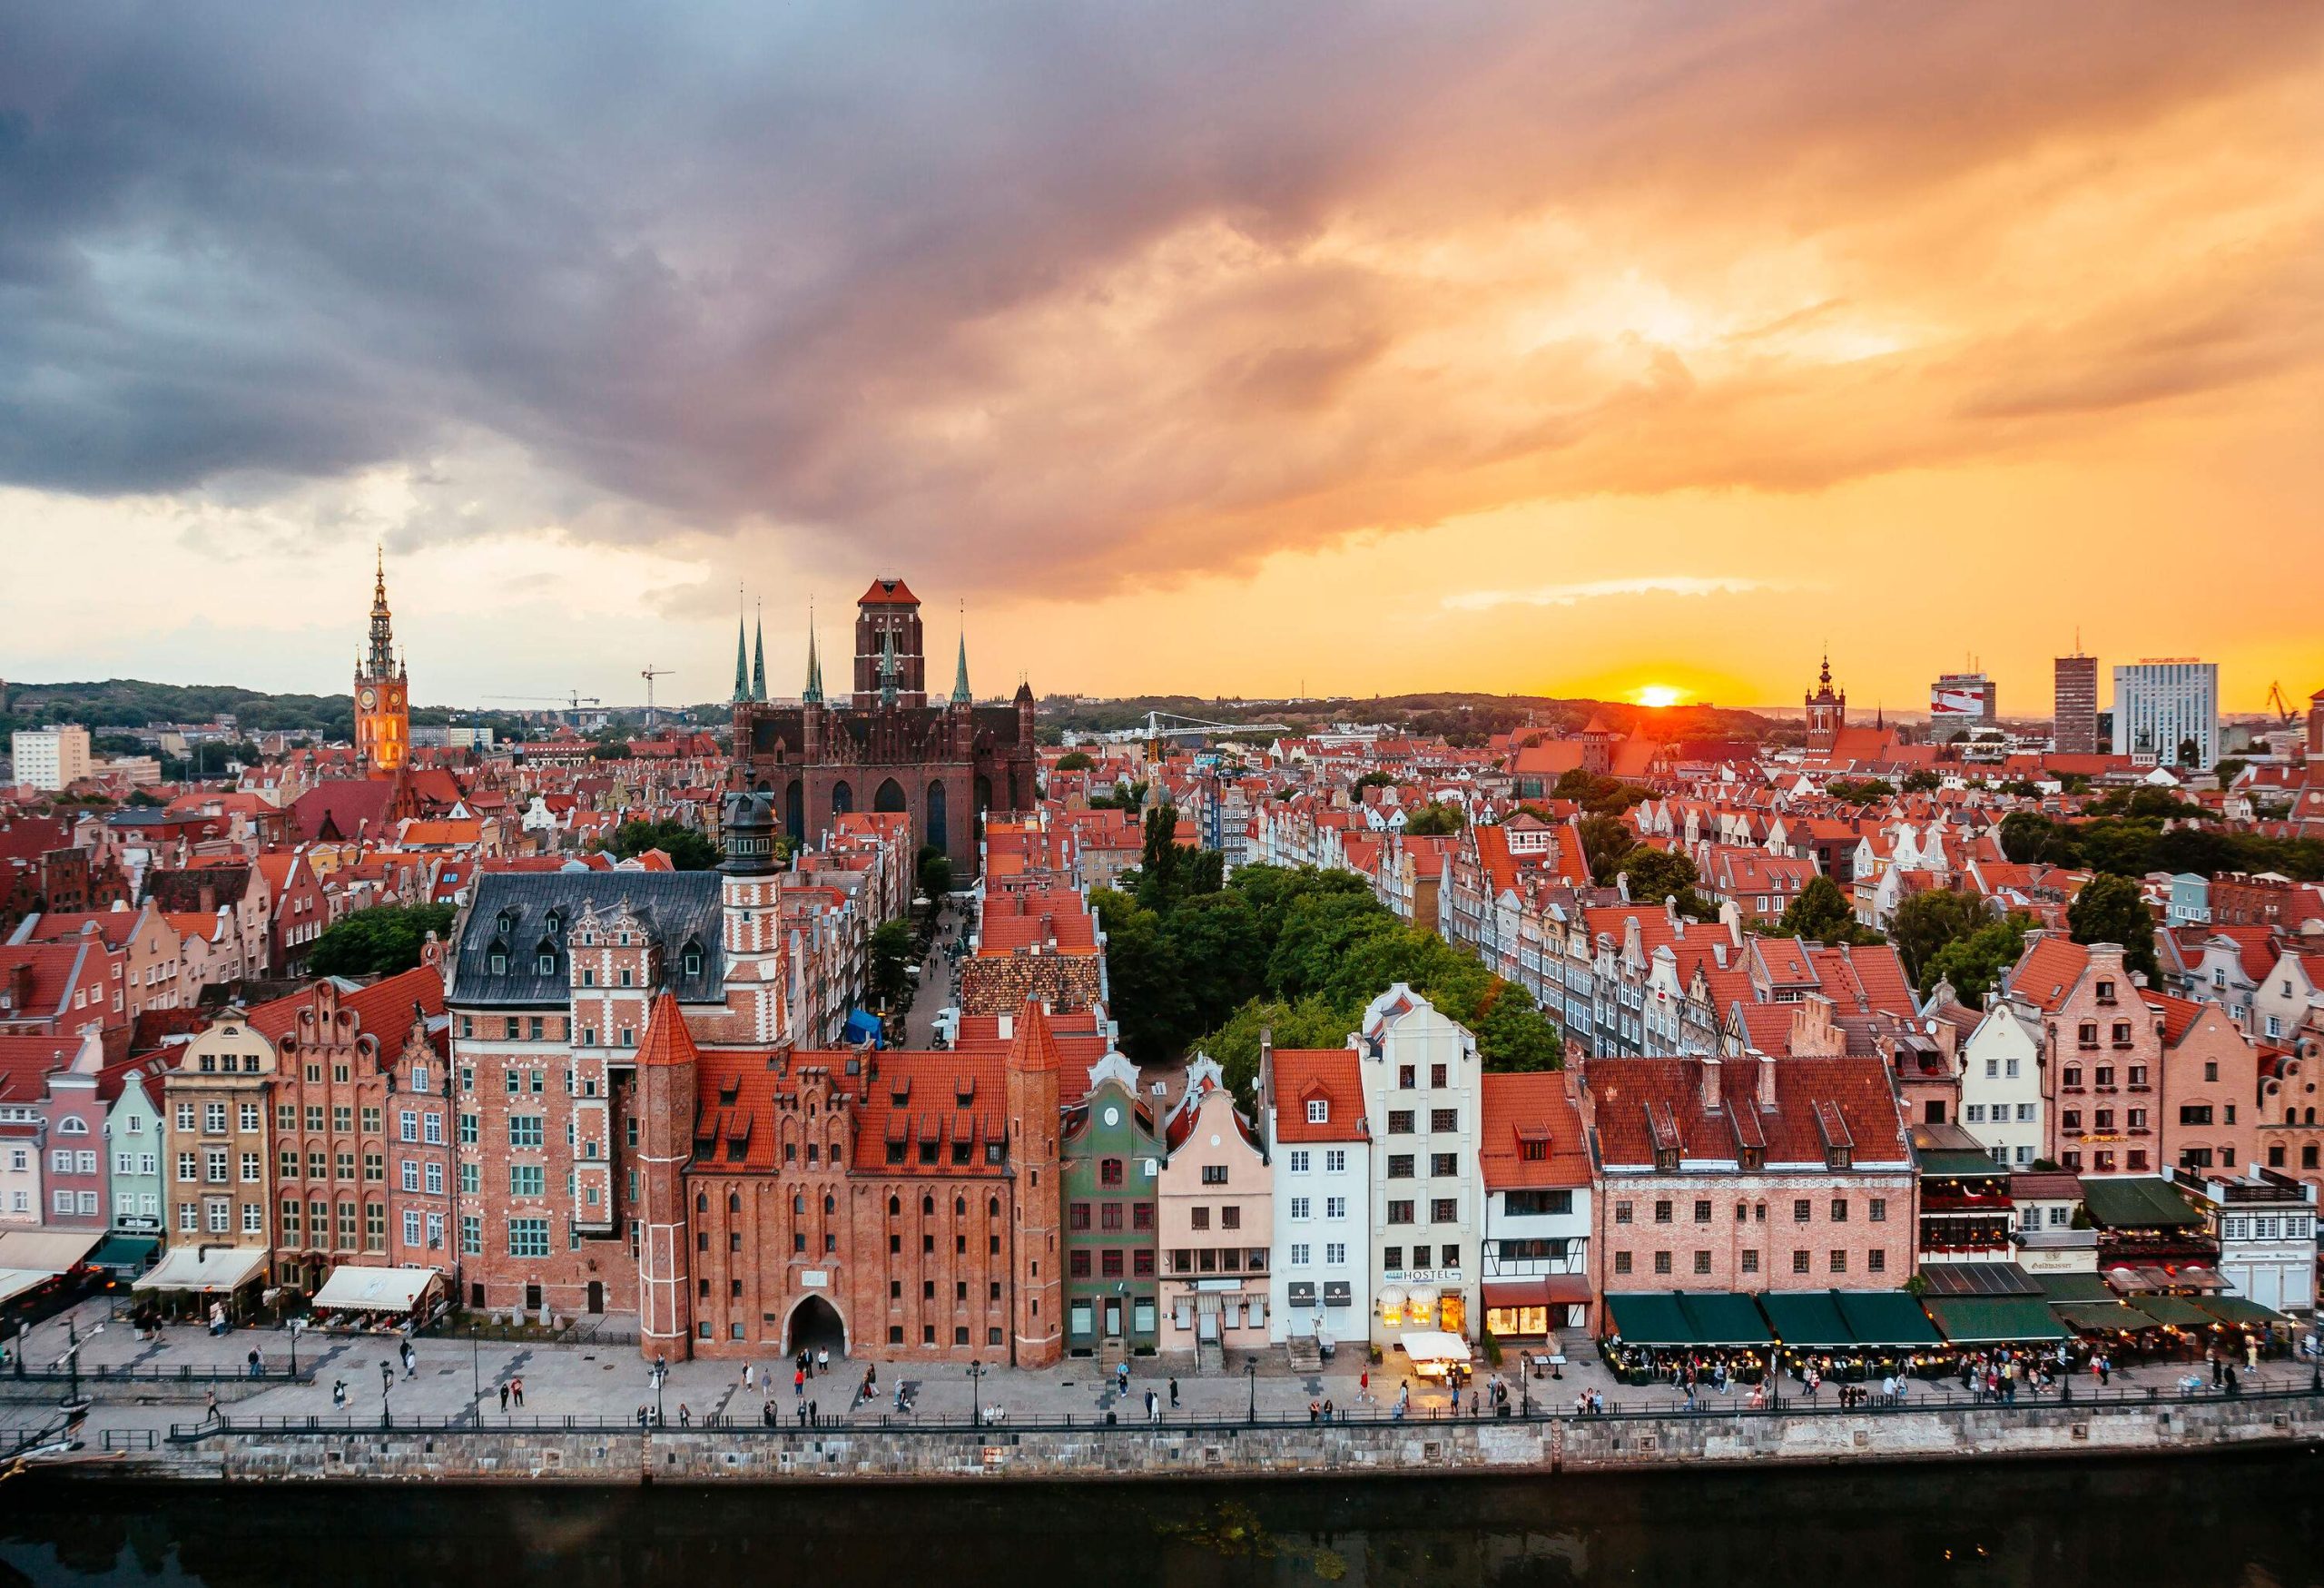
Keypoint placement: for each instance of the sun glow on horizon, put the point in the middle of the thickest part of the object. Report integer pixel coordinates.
(1659, 695)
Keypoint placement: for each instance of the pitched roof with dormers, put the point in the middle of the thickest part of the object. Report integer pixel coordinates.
(1521, 1113)
(1332, 1076)
(1820, 1104)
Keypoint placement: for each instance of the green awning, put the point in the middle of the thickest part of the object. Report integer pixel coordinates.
(1649, 1317)
(1958, 1163)
(2137, 1203)
(1722, 1318)
(1993, 1320)
(2076, 1287)
(2240, 1310)
(2092, 1318)
(1806, 1320)
(1885, 1317)
(2175, 1310)
(126, 1254)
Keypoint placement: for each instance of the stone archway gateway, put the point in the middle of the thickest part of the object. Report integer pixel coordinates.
(814, 1324)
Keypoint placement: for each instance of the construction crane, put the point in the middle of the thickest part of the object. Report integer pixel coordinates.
(574, 699)
(2279, 706)
(1184, 728)
(649, 673)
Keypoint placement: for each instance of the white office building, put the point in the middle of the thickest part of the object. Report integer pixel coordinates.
(1421, 1088)
(2160, 705)
(1312, 1109)
(50, 758)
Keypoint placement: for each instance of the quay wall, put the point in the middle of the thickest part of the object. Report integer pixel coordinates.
(1504, 1447)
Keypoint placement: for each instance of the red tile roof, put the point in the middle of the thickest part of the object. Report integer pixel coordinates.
(1335, 1075)
(383, 1009)
(1522, 1112)
(1815, 1099)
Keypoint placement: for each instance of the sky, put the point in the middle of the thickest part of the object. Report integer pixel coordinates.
(1253, 350)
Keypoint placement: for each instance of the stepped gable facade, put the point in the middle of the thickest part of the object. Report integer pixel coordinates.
(885, 746)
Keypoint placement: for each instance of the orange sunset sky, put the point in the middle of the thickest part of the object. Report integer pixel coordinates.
(1566, 349)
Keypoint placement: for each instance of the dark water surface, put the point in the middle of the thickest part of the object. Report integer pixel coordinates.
(2253, 1523)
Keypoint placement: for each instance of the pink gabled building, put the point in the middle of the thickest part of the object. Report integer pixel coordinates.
(1216, 1188)
(1749, 1174)
(2100, 1057)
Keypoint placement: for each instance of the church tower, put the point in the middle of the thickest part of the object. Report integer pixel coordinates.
(382, 693)
(1037, 1329)
(750, 887)
(1827, 711)
(889, 655)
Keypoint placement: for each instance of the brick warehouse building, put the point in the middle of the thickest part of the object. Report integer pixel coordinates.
(886, 748)
(633, 1132)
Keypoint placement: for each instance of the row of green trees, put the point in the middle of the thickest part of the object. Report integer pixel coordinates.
(2135, 841)
(1196, 961)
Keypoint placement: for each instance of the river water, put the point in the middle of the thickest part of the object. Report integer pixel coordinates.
(2252, 1522)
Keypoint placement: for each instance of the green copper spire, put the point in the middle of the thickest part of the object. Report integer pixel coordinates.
(814, 694)
(961, 695)
(741, 672)
(888, 666)
(758, 664)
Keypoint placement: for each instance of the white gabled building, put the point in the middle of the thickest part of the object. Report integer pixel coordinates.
(1421, 1093)
(2001, 1083)
(1311, 1108)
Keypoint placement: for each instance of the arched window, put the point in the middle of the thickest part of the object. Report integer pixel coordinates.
(992, 1208)
(895, 1206)
(960, 1207)
(72, 1125)
(926, 1206)
(690, 957)
(702, 1201)
(733, 1203)
(798, 1204)
(830, 1205)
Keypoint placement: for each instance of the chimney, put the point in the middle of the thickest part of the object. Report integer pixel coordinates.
(1711, 1083)
(1767, 1083)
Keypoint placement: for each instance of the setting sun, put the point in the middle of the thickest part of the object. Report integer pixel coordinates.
(1657, 694)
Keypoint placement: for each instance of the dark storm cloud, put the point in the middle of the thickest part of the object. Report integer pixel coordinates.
(1005, 287)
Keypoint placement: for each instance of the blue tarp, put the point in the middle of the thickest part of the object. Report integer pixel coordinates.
(864, 1027)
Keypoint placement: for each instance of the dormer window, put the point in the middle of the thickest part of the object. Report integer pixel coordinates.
(691, 958)
(498, 959)
(556, 922)
(507, 921)
(1838, 1157)
(1318, 1112)
(2105, 992)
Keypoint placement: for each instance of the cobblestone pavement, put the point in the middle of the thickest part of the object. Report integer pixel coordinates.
(456, 1378)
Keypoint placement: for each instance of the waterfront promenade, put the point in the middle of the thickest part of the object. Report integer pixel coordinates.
(458, 1382)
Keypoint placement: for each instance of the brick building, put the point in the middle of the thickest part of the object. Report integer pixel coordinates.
(1748, 1175)
(887, 747)
(2101, 1057)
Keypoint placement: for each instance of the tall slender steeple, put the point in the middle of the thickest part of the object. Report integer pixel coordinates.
(758, 660)
(741, 672)
(961, 695)
(814, 694)
(888, 667)
(382, 660)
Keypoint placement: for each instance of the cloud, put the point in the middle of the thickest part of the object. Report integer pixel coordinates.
(1602, 589)
(1089, 298)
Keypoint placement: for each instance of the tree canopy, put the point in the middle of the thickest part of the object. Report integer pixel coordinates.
(2112, 909)
(1435, 820)
(378, 941)
(689, 849)
(1925, 923)
(1820, 913)
(1975, 962)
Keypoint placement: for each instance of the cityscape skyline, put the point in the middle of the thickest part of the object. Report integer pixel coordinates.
(1750, 339)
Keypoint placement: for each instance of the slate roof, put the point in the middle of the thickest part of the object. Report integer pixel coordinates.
(671, 906)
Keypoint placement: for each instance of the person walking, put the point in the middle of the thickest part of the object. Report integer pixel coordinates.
(517, 1388)
(504, 1399)
(685, 1415)
(822, 1359)
(2251, 1352)
(798, 1382)
(1174, 1394)
(750, 1375)
(210, 1410)
(410, 1360)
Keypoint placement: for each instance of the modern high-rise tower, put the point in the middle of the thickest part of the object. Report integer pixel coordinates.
(2074, 709)
(2166, 712)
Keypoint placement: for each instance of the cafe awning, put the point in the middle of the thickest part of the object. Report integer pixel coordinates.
(2175, 1310)
(126, 1254)
(204, 1268)
(2240, 1310)
(1649, 1317)
(2085, 1288)
(52, 1252)
(1433, 1345)
(2096, 1318)
(1509, 1293)
(363, 1289)
(1885, 1317)
(1994, 1321)
(1806, 1320)
(1722, 1318)
(16, 1282)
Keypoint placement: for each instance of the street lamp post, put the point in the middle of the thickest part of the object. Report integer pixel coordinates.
(661, 1375)
(1251, 1372)
(387, 1382)
(975, 1393)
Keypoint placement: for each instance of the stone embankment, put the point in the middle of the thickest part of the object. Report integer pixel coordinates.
(1492, 1446)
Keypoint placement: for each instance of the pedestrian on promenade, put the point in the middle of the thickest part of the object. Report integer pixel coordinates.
(798, 1382)
(410, 1360)
(2251, 1352)
(685, 1415)
(516, 1386)
(338, 1393)
(750, 1375)
(257, 1369)
(822, 1359)
(2219, 1365)
(1315, 1409)
(1363, 1386)
(1153, 1408)
(504, 1398)
(1174, 1394)
(210, 1411)
(2105, 1367)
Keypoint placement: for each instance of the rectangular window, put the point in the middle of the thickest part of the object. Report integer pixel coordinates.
(1622, 1262)
(527, 1130)
(1400, 1165)
(1400, 1212)
(1299, 1163)
(408, 1125)
(1400, 1121)
(1878, 1211)
(1663, 1262)
(1443, 1165)
(1299, 1208)
(342, 1118)
(1444, 1121)
(1445, 1210)
(529, 1237)
(1800, 1261)
(1750, 1262)
(526, 1179)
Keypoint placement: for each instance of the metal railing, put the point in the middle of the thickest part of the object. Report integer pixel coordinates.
(128, 1439)
(157, 1373)
(1377, 1417)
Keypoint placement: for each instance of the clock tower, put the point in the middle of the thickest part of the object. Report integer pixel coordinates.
(382, 693)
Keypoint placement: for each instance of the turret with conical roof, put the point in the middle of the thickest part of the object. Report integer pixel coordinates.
(814, 694)
(1036, 1327)
(961, 695)
(668, 1063)
(742, 660)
